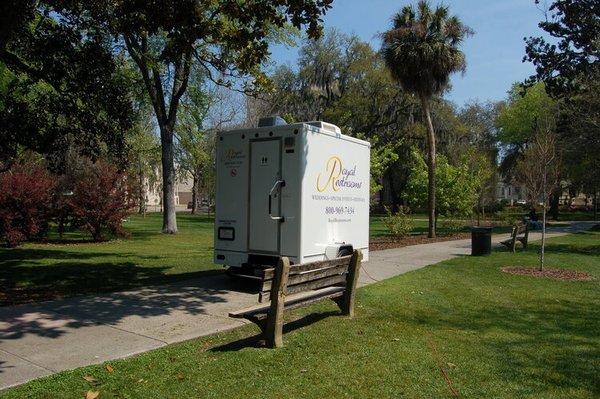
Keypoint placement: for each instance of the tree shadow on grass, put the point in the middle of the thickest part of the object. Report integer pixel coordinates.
(568, 248)
(557, 247)
(562, 247)
(25, 278)
(16, 256)
(156, 292)
(544, 346)
(44, 273)
(580, 250)
(77, 236)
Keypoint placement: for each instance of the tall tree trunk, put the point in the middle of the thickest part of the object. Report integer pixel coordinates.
(168, 177)
(596, 206)
(431, 164)
(483, 211)
(543, 249)
(554, 202)
(195, 189)
(141, 192)
(596, 203)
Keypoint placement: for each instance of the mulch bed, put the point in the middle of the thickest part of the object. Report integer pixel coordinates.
(554, 274)
(381, 243)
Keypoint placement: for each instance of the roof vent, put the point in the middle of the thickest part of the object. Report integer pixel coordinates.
(271, 121)
(326, 126)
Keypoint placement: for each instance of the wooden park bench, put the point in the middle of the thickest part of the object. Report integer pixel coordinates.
(520, 232)
(300, 285)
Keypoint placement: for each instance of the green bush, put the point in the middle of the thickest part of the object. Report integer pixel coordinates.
(399, 224)
(451, 225)
(494, 207)
(457, 186)
(510, 219)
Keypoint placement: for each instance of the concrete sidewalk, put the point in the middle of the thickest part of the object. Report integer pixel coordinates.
(41, 339)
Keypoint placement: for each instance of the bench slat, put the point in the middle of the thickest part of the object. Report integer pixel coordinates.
(520, 233)
(305, 267)
(335, 279)
(315, 284)
(291, 302)
(307, 286)
(311, 275)
(521, 229)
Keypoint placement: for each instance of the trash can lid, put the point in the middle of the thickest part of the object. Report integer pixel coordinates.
(480, 229)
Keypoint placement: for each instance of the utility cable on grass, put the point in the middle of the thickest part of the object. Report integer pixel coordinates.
(362, 267)
(440, 364)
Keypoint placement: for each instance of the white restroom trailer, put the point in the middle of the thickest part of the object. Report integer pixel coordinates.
(299, 190)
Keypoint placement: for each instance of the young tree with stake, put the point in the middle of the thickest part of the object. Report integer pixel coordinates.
(540, 173)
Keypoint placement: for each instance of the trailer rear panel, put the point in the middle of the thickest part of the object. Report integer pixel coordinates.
(298, 190)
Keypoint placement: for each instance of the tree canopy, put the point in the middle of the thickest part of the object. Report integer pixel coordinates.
(360, 96)
(357, 94)
(422, 50)
(575, 26)
(167, 39)
(579, 135)
(526, 108)
(62, 87)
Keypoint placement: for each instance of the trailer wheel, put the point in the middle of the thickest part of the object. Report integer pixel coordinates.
(345, 250)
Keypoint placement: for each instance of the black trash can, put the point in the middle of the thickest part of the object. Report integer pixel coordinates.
(481, 241)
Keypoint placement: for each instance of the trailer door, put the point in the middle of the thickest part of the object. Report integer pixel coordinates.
(265, 196)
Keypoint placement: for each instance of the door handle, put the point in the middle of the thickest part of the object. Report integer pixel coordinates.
(278, 183)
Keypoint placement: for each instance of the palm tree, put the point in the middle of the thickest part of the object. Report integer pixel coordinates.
(421, 50)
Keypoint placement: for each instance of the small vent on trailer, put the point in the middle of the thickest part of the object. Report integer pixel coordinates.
(326, 126)
(271, 121)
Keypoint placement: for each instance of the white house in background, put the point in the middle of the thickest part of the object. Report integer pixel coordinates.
(514, 194)
(183, 192)
(510, 192)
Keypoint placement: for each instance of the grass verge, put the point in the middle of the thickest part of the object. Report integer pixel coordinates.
(459, 326)
(45, 271)
(42, 271)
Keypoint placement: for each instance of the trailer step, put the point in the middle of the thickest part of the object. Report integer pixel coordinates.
(236, 272)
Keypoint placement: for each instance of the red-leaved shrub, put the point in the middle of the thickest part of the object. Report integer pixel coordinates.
(25, 202)
(101, 200)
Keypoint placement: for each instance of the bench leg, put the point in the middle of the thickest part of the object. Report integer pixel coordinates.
(274, 324)
(260, 323)
(347, 301)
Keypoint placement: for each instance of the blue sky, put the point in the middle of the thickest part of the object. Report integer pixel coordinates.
(494, 53)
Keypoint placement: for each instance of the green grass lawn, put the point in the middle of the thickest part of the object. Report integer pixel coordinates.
(494, 335)
(518, 212)
(37, 271)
